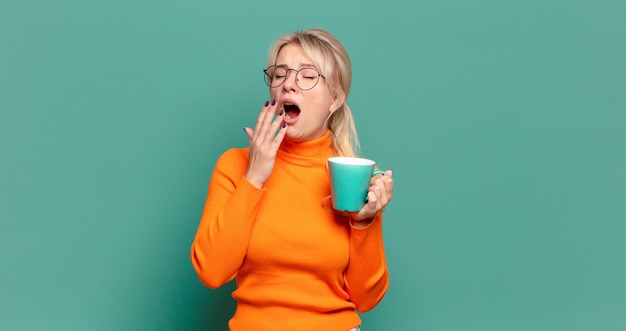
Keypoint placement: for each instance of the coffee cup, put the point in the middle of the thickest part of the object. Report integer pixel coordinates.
(349, 181)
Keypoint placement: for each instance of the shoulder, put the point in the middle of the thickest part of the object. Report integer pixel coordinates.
(234, 155)
(234, 161)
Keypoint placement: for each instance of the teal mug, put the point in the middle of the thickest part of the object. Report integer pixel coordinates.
(349, 181)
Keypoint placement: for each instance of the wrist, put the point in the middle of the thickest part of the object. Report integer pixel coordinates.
(254, 182)
(360, 224)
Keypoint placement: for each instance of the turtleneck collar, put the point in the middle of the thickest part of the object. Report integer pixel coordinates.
(319, 148)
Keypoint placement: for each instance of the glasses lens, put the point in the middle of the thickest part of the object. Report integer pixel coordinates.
(275, 76)
(307, 78)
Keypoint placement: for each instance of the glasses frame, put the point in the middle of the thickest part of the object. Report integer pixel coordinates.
(268, 79)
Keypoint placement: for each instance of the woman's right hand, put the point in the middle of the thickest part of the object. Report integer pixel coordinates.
(264, 143)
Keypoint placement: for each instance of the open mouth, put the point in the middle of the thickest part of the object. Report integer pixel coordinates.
(291, 110)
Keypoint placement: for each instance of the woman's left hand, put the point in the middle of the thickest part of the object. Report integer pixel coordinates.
(379, 195)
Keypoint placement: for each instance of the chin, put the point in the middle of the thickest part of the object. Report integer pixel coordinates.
(295, 135)
(302, 136)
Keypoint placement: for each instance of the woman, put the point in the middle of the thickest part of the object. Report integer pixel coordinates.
(298, 264)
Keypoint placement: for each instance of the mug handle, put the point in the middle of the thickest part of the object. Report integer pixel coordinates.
(378, 172)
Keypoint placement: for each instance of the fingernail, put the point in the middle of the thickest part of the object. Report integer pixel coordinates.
(284, 124)
(282, 111)
(267, 103)
(273, 102)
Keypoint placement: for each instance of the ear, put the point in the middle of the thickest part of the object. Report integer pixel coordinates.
(338, 100)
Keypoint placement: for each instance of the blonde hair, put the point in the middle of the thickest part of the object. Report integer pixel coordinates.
(333, 61)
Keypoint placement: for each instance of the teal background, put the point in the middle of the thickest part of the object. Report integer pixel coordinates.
(504, 122)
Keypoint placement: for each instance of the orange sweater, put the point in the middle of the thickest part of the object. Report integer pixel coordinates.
(298, 265)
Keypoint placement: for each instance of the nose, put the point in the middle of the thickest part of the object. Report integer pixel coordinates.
(290, 81)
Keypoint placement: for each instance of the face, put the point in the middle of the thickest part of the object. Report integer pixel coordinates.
(306, 111)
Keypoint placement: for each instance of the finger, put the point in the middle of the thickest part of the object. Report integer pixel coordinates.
(264, 119)
(282, 132)
(384, 194)
(374, 194)
(274, 129)
(248, 132)
(278, 121)
(372, 200)
(272, 123)
(263, 112)
(388, 181)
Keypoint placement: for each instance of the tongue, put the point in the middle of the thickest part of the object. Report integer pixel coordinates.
(292, 112)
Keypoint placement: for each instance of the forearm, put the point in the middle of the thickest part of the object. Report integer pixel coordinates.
(224, 231)
(367, 277)
(222, 238)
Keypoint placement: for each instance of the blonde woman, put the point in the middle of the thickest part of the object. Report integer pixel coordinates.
(298, 265)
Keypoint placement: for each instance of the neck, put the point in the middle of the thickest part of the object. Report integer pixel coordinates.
(318, 147)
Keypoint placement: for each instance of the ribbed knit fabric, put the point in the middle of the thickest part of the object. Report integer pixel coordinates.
(299, 265)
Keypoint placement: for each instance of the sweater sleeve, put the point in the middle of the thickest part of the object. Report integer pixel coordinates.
(367, 277)
(221, 240)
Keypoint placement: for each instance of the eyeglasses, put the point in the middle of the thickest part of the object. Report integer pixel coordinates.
(306, 78)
